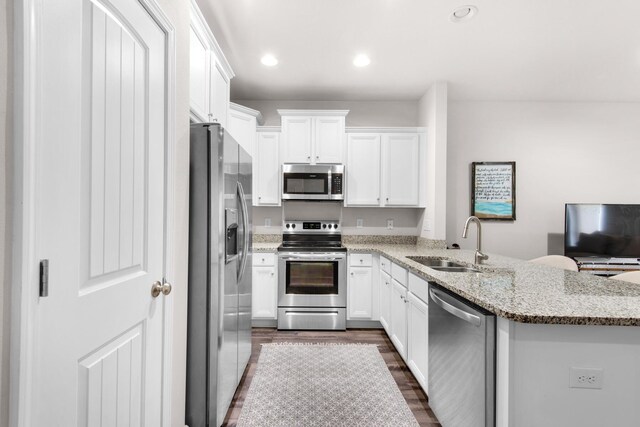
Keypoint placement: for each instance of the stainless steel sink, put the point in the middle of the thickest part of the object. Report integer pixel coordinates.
(444, 265)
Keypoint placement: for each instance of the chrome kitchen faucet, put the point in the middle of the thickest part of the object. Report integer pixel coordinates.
(479, 256)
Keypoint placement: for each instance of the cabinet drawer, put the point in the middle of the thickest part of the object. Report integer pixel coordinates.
(419, 287)
(264, 259)
(385, 265)
(399, 273)
(363, 260)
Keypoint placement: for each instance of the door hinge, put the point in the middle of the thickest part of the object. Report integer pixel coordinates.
(44, 278)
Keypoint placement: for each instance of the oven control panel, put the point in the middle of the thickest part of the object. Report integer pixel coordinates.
(305, 227)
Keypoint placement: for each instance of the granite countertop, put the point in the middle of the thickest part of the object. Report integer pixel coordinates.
(265, 246)
(522, 291)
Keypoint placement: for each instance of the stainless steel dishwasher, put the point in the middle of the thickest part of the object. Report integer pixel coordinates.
(461, 360)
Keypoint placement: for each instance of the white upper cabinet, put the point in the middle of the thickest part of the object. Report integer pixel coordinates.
(312, 136)
(266, 169)
(363, 170)
(209, 73)
(328, 141)
(198, 77)
(242, 125)
(400, 169)
(296, 139)
(386, 168)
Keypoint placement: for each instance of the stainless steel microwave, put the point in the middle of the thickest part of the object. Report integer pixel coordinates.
(312, 182)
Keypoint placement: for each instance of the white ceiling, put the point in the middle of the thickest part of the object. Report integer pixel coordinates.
(542, 50)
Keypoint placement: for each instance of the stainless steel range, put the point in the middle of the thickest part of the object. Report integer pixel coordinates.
(312, 276)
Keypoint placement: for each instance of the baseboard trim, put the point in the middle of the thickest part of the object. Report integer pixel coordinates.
(363, 324)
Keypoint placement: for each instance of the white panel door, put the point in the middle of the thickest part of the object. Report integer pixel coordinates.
(417, 338)
(360, 295)
(363, 170)
(399, 317)
(267, 169)
(385, 301)
(198, 76)
(296, 139)
(100, 214)
(328, 139)
(400, 169)
(265, 293)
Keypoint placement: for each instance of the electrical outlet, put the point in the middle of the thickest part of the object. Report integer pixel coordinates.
(389, 224)
(359, 223)
(585, 378)
(267, 222)
(427, 225)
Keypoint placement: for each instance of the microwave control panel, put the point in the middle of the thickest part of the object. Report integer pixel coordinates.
(336, 183)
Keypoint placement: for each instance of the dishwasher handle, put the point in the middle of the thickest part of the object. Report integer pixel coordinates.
(461, 314)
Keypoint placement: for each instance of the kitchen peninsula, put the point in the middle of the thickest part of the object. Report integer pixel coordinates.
(548, 321)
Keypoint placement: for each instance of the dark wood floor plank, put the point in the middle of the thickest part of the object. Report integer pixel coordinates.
(413, 394)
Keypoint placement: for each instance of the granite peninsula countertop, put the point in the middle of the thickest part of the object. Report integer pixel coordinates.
(522, 291)
(265, 247)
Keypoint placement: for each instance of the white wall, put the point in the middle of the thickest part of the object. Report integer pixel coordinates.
(6, 39)
(433, 116)
(564, 152)
(405, 220)
(361, 113)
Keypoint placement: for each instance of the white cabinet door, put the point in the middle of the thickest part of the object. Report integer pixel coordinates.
(219, 103)
(267, 169)
(242, 127)
(360, 293)
(265, 293)
(363, 170)
(198, 76)
(399, 318)
(328, 139)
(385, 301)
(400, 169)
(296, 139)
(417, 338)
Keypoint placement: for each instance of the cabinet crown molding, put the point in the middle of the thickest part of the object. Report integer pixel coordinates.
(313, 112)
(246, 110)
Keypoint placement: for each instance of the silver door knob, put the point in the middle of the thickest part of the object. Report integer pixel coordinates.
(167, 288)
(158, 288)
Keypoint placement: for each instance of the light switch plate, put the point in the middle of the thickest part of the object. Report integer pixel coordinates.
(359, 223)
(267, 222)
(389, 224)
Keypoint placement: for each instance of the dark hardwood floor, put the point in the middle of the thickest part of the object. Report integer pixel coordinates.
(415, 397)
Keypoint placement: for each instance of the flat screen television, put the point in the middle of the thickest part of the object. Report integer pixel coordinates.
(602, 230)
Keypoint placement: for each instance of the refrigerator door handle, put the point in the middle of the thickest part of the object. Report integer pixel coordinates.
(245, 231)
(461, 314)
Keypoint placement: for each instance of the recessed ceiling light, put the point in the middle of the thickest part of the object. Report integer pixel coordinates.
(463, 13)
(269, 60)
(361, 60)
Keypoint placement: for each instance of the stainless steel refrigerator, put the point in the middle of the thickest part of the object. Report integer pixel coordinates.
(219, 316)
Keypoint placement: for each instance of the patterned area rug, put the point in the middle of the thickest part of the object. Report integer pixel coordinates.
(323, 385)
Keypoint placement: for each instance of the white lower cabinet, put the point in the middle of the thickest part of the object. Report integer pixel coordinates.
(417, 338)
(362, 287)
(385, 299)
(265, 286)
(399, 317)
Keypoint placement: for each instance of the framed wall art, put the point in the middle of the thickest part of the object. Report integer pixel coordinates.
(493, 190)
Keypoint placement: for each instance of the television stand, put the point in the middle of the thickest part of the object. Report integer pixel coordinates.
(602, 266)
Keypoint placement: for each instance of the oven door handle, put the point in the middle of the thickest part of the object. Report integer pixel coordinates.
(311, 258)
